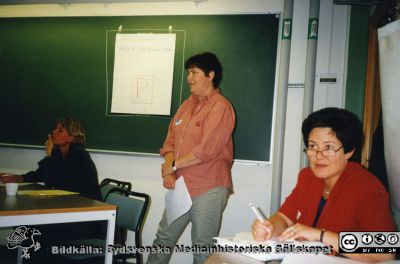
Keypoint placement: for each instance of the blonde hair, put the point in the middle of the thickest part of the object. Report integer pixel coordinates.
(74, 128)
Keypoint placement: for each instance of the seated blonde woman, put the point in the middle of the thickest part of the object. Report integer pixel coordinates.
(67, 165)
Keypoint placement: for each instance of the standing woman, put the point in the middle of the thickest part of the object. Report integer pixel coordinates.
(199, 147)
(334, 193)
(67, 165)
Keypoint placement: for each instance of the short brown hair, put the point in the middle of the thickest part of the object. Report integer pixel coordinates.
(345, 124)
(207, 62)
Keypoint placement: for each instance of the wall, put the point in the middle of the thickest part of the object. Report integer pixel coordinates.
(251, 181)
(331, 59)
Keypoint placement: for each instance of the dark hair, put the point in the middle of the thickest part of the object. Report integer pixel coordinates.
(207, 62)
(345, 124)
(74, 128)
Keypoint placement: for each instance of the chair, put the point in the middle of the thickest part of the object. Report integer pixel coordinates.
(107, 184)
(132, 208)
(131, 212)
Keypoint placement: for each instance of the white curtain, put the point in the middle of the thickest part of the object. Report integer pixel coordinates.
(389, 64)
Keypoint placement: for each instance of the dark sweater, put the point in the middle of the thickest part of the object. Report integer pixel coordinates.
(75, 172)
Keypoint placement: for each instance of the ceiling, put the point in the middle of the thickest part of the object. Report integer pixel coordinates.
(29, 2)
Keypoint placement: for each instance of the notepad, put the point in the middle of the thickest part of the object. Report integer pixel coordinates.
(244, 243)
(318, 259)
(263, 251)
(45, 192)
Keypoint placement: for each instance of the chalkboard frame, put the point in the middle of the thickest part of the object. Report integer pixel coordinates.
(255, 95)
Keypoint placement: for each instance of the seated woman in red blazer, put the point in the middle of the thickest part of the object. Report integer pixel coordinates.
(335, 193)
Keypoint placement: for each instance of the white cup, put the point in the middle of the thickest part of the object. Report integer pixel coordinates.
(11, 188)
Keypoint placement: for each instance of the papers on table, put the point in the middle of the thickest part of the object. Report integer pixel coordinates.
(177, 201)
(244, 243)
(318, 259)
(45, 192)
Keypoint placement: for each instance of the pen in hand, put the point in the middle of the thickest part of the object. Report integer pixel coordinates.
(259, 214)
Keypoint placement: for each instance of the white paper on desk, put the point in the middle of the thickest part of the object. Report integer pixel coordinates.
(245, 240)
(233, 243)
(177, 201)
(317, 259)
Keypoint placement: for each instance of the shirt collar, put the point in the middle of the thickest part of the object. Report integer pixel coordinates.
(207, 98)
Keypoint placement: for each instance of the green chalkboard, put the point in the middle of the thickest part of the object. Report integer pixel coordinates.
(63, 66)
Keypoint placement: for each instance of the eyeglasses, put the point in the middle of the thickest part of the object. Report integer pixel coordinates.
(326, 152)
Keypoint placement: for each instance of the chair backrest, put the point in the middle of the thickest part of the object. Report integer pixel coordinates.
(108, 184)
(131, 210)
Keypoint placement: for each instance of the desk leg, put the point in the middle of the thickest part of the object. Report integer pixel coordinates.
(19, 255)
(110, 238)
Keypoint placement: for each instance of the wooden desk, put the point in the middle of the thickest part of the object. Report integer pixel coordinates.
(36, 210)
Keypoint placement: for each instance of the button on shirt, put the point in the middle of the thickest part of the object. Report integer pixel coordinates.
(203, 127)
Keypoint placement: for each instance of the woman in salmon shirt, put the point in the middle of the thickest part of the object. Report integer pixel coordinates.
(199, 148)
(335, 193)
